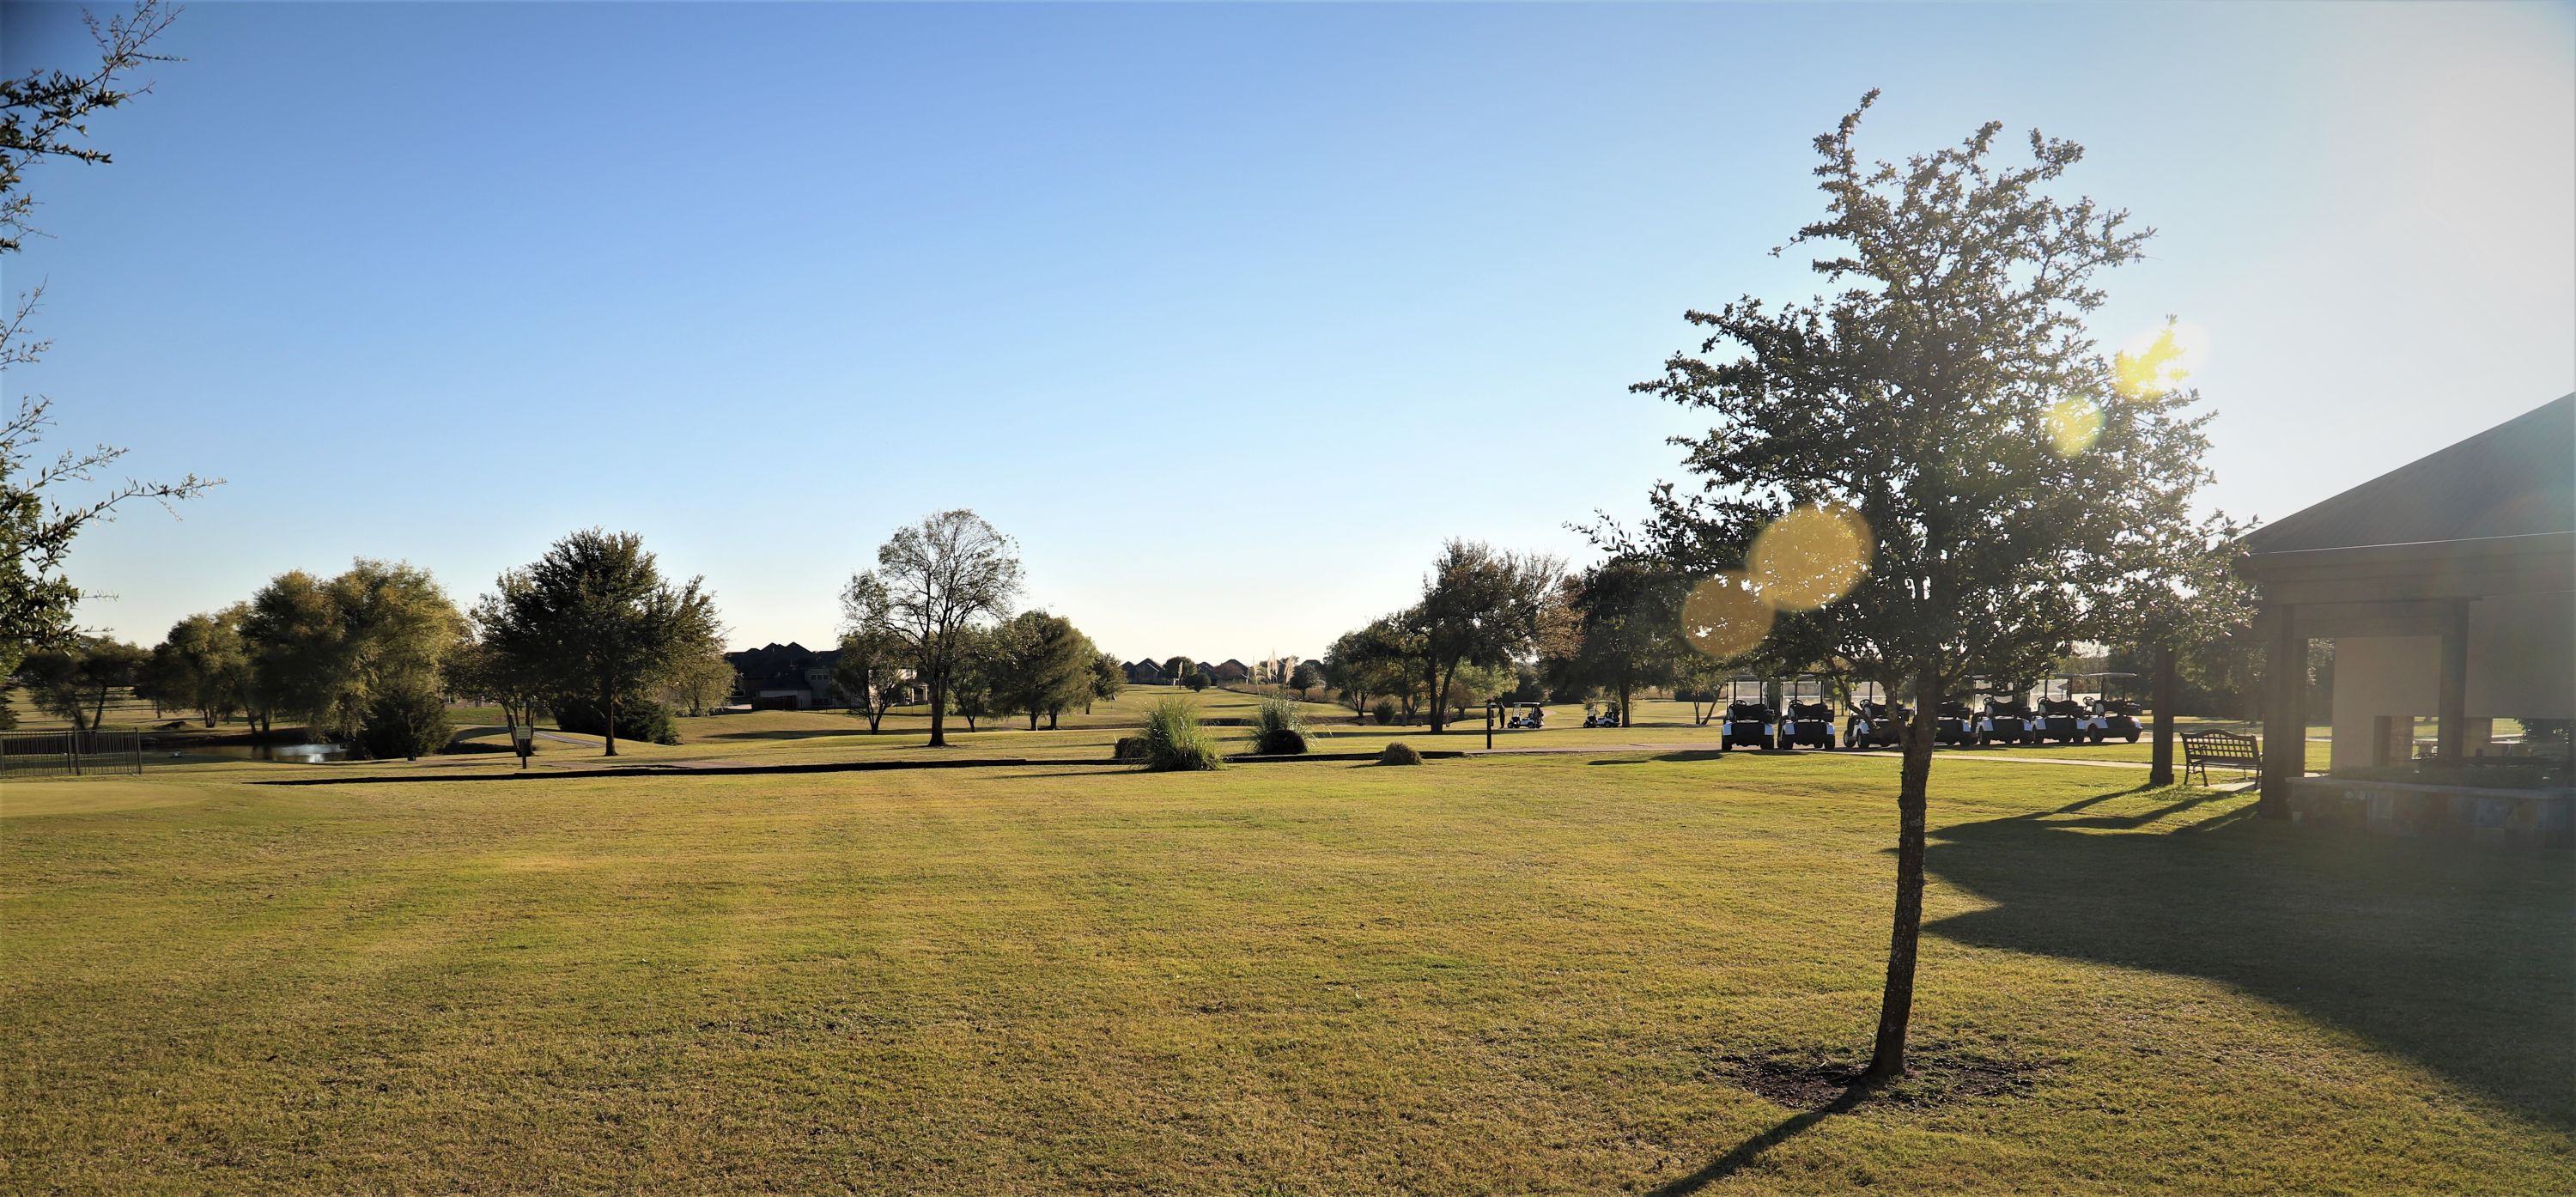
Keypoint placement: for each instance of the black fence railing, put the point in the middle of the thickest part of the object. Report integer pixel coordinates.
(70, 753)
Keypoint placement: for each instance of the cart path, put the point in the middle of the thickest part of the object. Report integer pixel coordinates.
(1706, 747)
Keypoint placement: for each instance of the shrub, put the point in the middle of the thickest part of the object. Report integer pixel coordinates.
(1279, 727)
(1130, 749)
(1284, 741)
(406, 722)
(1174, 740)
(1385, 711)
(1399, 753)
(637, 719)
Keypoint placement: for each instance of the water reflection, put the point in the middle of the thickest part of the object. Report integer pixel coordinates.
(301, 754)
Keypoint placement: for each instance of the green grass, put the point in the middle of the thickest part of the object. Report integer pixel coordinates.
(1526, 974)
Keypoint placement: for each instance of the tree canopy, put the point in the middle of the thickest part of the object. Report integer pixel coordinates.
(596, 618)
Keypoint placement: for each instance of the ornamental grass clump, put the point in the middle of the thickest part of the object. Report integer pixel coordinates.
(1399, 753)
(1279, 728)
(1174, 741)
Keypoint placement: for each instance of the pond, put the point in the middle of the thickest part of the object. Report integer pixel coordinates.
(302, 754)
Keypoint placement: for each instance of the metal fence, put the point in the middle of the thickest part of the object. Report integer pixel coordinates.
(70, 753)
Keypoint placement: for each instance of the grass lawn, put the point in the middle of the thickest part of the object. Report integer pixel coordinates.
(1573, 973)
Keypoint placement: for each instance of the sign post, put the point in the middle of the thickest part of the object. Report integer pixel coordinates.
(523, 737)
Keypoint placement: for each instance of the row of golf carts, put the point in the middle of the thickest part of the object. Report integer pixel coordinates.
(1992, 720)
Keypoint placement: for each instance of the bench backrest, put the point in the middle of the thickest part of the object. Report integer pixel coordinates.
(2221, 748)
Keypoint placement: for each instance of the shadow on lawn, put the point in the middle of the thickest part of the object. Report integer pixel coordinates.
(2459, 958)
(1751, 1149)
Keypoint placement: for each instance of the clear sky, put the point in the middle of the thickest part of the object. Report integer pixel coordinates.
(1228, 314)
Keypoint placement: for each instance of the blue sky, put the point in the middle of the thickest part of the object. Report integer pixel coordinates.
(1228, 313)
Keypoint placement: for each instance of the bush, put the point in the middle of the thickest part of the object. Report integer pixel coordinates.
(637, 719)
(1399, 753)
(1174, 741)
(1385, 712)
(1284, 741)
(1196, 682)
(1279, 727)
(1130, 749)
(407, 722)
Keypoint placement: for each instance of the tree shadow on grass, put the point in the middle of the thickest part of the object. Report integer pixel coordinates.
(2457, 957)
(1684, 755)
(1751, 1149)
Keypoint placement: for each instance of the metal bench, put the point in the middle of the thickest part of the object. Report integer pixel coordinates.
(2225, 749)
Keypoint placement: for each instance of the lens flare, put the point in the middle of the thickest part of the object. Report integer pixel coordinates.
(2074, 423)
(1724, 618)
(2153, 363)
(1810, 557)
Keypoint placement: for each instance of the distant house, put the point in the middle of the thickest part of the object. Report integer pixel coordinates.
(1146, 673)
(1230, 670)
(788, 675)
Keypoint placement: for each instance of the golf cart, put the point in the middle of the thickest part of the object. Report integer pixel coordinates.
(1957, 725)
(2006, 721)
(1875, 725)
(2092, 719)
(1747, 725)
(1809, 725)
(1524, 716)
(1606, 715)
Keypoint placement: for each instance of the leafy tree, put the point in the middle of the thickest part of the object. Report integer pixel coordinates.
(870, 669)
(1108, 679)
(204, 666)
(1946, 409)
(936, 583)
(1479, 606)
(1628, 623)
(1376, 661)
(1179, 669)
(407, 719)
(1041, 665)
(74, 682)
(701, 680)
(595, 617)
(323, 649)
(478, 671)
(1307, 676)
(970, 690)
(43, 114)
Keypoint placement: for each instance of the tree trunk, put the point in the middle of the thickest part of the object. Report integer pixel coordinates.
(1438, 693)
(2162, 772)
(1624, 690)
(939, 710)
(1033, 720)
(1896, 1002)
(608, 715)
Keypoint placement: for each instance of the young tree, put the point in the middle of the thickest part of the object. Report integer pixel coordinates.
(1376, 661)
(935, 584)
(970, 689)
(1938, 436)
(478, 671)
(1307, 676)
(1108, 679)
(595, 617)
(871, 671)
(1627, 627)
(44, 114)
(1479, 606)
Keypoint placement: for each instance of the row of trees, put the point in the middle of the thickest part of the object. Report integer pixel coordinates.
(371, 656)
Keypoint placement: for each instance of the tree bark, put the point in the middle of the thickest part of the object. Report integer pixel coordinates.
(608, 717)
(939, 709)
(1439, 693)
(2161, 770)
(1896, 1002)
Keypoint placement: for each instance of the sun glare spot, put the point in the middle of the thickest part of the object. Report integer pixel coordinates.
(2160, 360)
(1811, 557)
(2074, 423)
(1723, 617)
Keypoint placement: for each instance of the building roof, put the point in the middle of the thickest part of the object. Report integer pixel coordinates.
(2515, 479)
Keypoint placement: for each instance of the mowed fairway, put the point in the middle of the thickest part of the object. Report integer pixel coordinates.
(1571, 973)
